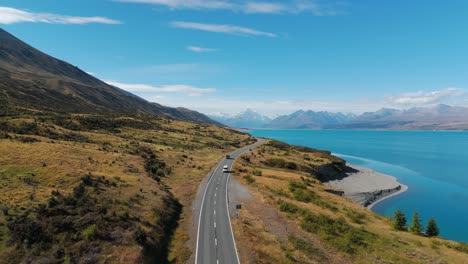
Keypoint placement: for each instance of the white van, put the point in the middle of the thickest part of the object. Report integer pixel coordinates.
(225, 168)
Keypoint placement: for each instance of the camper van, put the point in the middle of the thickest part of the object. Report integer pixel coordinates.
(225, 168)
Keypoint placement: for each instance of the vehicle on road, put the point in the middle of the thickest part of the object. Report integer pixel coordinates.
(228, 157)
(225, 168)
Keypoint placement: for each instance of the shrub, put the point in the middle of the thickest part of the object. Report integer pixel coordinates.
(257, 172)
(289, 208)
(337, 232)
(249, 179)
(90, 233)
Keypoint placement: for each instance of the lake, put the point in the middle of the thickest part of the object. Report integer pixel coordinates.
(433, 164)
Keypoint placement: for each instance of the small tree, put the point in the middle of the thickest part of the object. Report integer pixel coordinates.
(432, 229)
(399, 220)
(416, 226)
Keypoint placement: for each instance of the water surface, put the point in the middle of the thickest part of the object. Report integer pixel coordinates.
(433, 164)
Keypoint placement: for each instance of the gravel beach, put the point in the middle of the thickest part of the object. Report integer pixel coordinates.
(367, 187)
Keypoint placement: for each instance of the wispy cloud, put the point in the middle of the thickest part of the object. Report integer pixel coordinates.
(315, 7)
(10, 15)
(185, 89)
(185, 4)
(218, 28)
(312, 7)
(425, 98)
(200, 49)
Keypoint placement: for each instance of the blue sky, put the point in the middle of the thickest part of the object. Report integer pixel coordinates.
(272, 56)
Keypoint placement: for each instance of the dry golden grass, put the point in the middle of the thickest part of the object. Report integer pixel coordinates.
(29, 172)
(260, 237)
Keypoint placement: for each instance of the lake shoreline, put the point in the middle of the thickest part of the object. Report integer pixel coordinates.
(367, 187)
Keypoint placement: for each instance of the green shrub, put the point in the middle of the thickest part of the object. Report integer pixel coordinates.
(249, 179)
(289, 208)
(337, 232)
(90, 233)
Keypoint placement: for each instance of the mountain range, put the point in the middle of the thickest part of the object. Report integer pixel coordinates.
(438, 117)
(31, 79)
(245, 119)
(309, 120)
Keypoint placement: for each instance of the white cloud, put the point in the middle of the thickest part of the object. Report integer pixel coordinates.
(185, 4)
(227, 29)
(200, 49)
(425, 98)
(11, 16)
(264, 7)
(248, 7)
(185, 89)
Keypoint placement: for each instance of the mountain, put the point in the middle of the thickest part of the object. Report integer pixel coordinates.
(309, 120)
(34, 80)
(439, 117)
(246, 119)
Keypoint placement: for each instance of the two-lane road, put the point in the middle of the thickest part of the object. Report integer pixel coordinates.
(215, 240)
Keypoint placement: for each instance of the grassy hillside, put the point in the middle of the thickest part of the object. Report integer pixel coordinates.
(292, 218)
(101, 189)
(32, 79)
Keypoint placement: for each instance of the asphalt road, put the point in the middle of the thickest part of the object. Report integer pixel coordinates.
(215, 240)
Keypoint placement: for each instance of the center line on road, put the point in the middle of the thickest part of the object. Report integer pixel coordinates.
(214, 224)
(214, 212)
(216, 242)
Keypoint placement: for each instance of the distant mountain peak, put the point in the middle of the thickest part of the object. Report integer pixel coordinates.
(248, 118)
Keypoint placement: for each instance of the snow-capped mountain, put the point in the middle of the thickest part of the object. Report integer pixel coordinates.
(246, 119)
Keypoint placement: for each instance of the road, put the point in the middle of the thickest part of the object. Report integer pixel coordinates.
(215, 240)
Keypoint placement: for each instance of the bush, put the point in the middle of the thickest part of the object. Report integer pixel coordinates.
(257, 172)
(337, 232)
(276, 162)
(249, 179)
(289, 208)
(90, 233)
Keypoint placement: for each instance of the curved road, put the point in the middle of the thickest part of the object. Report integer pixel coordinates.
(215, 240)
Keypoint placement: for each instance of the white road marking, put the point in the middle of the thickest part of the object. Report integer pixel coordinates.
(201, 211)
(215, 225)
(229, 218)
(215, 194)
(216, 242)
(215, 202)
(214, 212)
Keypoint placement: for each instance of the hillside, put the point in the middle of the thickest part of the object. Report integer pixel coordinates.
(289, 216)
(101, 189)
(245, 119)
(34, 80)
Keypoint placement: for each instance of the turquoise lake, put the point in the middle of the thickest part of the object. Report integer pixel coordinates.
(433, 164)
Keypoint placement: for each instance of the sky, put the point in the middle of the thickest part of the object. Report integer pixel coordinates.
(274, 57)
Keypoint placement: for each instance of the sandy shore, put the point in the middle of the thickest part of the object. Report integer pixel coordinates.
(367, 187)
